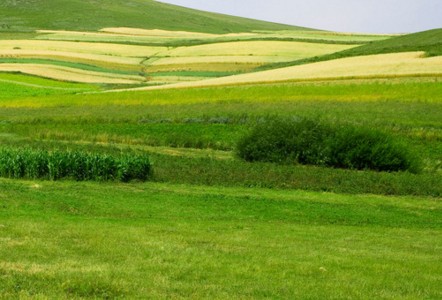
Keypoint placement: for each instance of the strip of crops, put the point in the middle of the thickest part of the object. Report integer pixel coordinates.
(77, 165)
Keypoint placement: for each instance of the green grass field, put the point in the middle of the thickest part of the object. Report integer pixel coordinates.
(208, 224)
(30, 15)
(87, 240)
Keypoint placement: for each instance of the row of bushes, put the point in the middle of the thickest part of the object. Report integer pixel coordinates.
(77, 165)
(312, 142)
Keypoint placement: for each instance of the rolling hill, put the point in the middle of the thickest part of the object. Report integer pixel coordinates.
(28, 15)
(210, 224)
(429, 41)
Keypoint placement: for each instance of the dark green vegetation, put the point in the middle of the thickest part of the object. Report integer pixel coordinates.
(428, 41)
(72, 240)
(313, 142)
(28, 15)
(75, 165)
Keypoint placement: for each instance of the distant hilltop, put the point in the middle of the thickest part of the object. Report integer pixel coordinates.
(29, 15)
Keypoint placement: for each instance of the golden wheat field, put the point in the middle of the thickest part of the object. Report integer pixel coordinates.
(382, 65)
(71, 74)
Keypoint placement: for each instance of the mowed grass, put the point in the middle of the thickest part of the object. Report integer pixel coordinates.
(153, 240)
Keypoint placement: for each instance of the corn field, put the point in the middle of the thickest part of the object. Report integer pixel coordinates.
(76, 165)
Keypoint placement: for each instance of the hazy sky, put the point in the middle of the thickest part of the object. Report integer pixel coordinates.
(375, 16)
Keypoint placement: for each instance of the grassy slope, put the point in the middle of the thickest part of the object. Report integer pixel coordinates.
(393, 65)
(214, 118)
(71, 240)
(26, 15)
(16, 86)
(429, 41)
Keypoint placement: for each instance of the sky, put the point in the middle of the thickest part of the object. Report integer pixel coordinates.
(365, 16)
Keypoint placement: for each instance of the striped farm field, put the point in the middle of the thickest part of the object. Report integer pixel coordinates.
(82, 47)
(296, 50)
(371, 66)
(157, 32)
(70, 56)
(71, 74)
(325, 36)
(239, 56)
(159, 37)
(18, 85)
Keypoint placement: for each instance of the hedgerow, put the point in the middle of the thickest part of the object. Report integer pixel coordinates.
(312, 142)
(76, 165)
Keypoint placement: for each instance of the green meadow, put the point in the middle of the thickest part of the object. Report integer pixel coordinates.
(162, 240)
(84, 92)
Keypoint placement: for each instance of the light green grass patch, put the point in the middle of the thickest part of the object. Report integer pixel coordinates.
(16, 86)
(79, 240)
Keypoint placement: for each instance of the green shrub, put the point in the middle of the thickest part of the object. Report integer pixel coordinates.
(312, 142)
(363, 148)
(285, 141)
(33, 164)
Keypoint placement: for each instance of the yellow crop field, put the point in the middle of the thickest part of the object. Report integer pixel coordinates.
(176, 34)
(211, 67)
(324, 35)
(70, 74)
(220, 59)
(70, 56)
(157, 36)
(296, 50)
(135, 35)
(82, 47)
(237, 56)
(156, 32)
(397, 64)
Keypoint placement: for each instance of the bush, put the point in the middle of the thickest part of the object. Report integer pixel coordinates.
(313, 142)
(39, 164)
(362, 148)
(285, 141)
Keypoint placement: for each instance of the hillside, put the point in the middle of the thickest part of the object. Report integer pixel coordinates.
(28, 15)
(429, 41)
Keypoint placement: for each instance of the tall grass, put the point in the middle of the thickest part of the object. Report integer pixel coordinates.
(77, 165)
